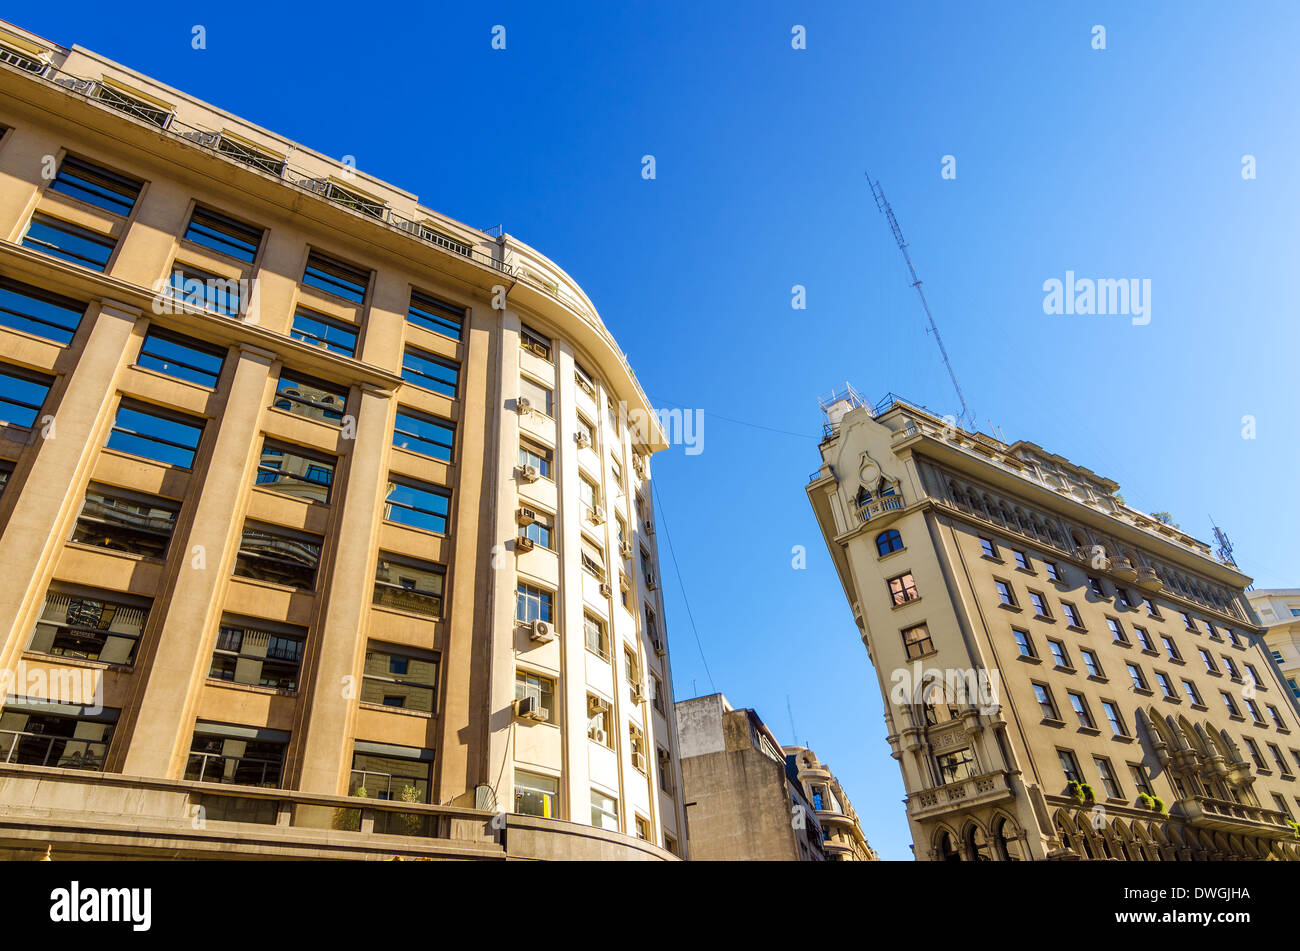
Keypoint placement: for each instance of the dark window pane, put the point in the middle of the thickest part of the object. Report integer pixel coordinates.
(241, 756)
(167, 439)
(308, 397)
(281, 556)
(283, 469)
(246, 655)
(418, 505)
(409, 585)
(39, 312)
(69, 242)
(432, 314)
(105, 628)
(96, 185)
(22, 394)
(320, 331)
(124, 521)
(224, 235)
(33, 737)
(334, 277)
(181, 357)
(426, 435)
(414, 688)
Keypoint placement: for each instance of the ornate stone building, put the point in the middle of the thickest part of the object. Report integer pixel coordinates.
(1064, 676)
(842, 836)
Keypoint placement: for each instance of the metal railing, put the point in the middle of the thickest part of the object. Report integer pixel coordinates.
(36, 749)
(245, 771)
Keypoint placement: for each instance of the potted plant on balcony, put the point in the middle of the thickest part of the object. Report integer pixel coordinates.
(1082, 792)
(1295, 827)
(349, 820)
(1154, 803)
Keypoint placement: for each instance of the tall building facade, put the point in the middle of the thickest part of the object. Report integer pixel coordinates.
(842, 837)
(1279, 611)
(1063, 675)
(744, 799)
(312, 490)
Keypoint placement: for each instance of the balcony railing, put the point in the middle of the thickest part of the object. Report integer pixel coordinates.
(1227, 816)
(973, 790)
(875, 507)
(42, 749)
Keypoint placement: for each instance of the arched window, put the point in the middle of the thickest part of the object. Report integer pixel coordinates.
(947, 851)
(1005, 841)
(889, 541)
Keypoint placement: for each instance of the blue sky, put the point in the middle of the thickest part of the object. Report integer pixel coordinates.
(1122, 163)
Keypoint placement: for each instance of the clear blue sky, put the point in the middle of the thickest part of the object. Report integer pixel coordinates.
(1122, 163)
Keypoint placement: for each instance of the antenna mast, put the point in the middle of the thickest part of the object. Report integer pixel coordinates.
(1225, 546)
(790, 710)
(882, 203)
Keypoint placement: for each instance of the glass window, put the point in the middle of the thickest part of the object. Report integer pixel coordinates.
(36, 311)
(429, 372)
(250, 653)
(401, 677)
(955, 766)
(278, 555)
(1040, 605)
(206, 291)
(916, 641)
(604, 811)
(320, 331)
(417, 504)
(96, 185)
(1022, 560)
(1059, 655)
(1045, 703)
(537, 395)
(990, 550)
(1166, 687)
(393, 773)
(1109, 781)
(216, 232)
(169, 438)
(102, 626)
(536, 795)
(1090, 662)
(312, 398)
(36, 733)
(1053, 572)
(286, 469)
(538, 528)
(1071, 614)
(22, 394)
(1081, 710)
(539, 688)
(532, 604)
(593, 629)
(539, 457)
(1005, 593)
(1135, 674)
(903, 589)
(69, 242)
(181, 357)
(1113, 715)
(1069, 766)
(409, 585)
(1193, 695)
(120, 520)
(427, 435)
(438, 316)
(1117, 630)
(239, 755)
(535, 342)
(888, 541)
(334, 277)
(1023, 642)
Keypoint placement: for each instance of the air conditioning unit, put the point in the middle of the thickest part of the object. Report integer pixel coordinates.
(625, 550)
(527, 708)
(582, 439)
(597, 703)
(658, 644)
(606, 590)
(649, 527)
(638, 696)
(525, 516)
(623, 584)
(638, 761)
(529, 473)
(650, 581)
(524, 543)
(599, 735)
(541, 632)
(596, 514)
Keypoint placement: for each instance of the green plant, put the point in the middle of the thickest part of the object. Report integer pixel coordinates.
(1146, 802)
(411, 821)
(349, 820)
(1160, 805)
(1164, 518)
(1295, 827)
(1081, 791)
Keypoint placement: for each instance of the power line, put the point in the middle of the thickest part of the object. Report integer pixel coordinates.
(741, 422)
(663, 520)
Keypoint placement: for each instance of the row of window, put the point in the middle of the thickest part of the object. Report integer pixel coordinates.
(538, 795)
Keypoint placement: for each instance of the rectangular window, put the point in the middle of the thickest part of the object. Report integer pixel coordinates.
(1140, 779)
(604, 811)
(1152, 610)
(335, 277)
(417, 505)
(1144, 639)
(1166, 687)
(1091, 663)
(535, 342)
(593, 629)
(1113, 715)
(181, 357)
(96, 185)
(1171, 649)
(593, 560)
(1278, 758)
(255, 654)
(429, 372)
(540, 689)
(1233, 672)
(22, 394)
(278, 555)
(152, 433)
(1081, 710)
(1023, 642)
(132, 105)
(1040, 605)
(438, 316)
(37, 733)
(631, 670)
(956, 766)
(242, 152)
(291, 471)
(407, 584)
(1255, 715)
(1053, 571)
(1059, 655)
(532, 604)
(402, 677)
(636, 744)
(207, 291)
(1005, 594)
(311, 398)
(1097, 587)
(120, 520)
(1230, 704)
(538, 526)
(1117, 630)
(1193, 695)
(1139, 679)
(393, 773)
(537, 456)
(102, 626)
(585, 381)
(239, 755)
(536, 795)
(642, 829)
(227, 236)
(1046, 705)
(1122, 594)
(657, 694)
(35, 311)
(1208, 660)
(588, 493)
(1022, 560)
(1187, 620)
(1109, 782)
(903, 589)
(916, 641)
(1069, 766)
(1071, 615)
(599, 729)
(69, 242)
(427, 435)
(317, 330)
(1255, 754)
(990, 550)
(539, 397)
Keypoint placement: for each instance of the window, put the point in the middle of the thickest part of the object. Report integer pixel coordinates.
(1231, 704)
(592, 559)
(593, 630)
(888, 542)
(657, 694)
(132, 105)
(636, 746)
(407, 584)
(1233, 639)
(427, 435)
(1170, 648)
(102, 626)
(1253, 677)
(1097, 587)
(35, 311)
(585, 381)
(956, 766)
(320, 331)
(314, 399)
(1053, 571)
(1152, 610)
(1069, 766)
(6, 470)
(1187, 620)
(1208, 660)
(334, 277)
(642, 829)
(1255, 754)
(537, 456)
(1276, 718)
(535, 342)
(1254, 712)
(1140, 779)
(96, 185)
(532, 604)
(394, 773)
(988, 547)
(250, 653)
(181, 357)
(604, 811)
(1122, 594)
(1108, 780)
(152, 433)
(241, 755)
(588, 493)
(438, 316)
(1166, 687)
(1233, 672)
(216, 232)
(69, 242)
(598, 725)
(207, 291)
(1005, 594)
(1295, 687)
(1090, 662)
(916, 641)
(120, 520)
(1081, 710)
(255, 157)
(291, 471)
(278, 555)
(903, 589)
(539, 528)
(1144, 639)
(37, 733)
(1193, 695)
(631, 669)
(1278, 758)
(1071, 615)
(587, 436)
(1113, 715)
(1046, 705)
(405, 678)
(1117, 630)
(536, 795)
(429, 372)
(1022, 560)
(540, 689)
(1023, 642)
(1214, 632)
(539, 397)
(1058, 653)
(1040, 605)
(417, 505)
(22, 394)
(612, 415)
(1139, 679)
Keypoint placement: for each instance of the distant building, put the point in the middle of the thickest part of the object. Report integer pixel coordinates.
(1279, 610)
(744, 801)
(842, 837)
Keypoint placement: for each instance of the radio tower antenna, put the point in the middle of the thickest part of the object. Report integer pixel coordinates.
(1225, 546)
(967, 416)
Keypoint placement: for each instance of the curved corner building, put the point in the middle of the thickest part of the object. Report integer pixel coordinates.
(326, 521)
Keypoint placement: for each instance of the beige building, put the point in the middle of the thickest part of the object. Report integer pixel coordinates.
(1063, 675)
(1279, 611)
(842, 837)
(309, 493)
(744, 799)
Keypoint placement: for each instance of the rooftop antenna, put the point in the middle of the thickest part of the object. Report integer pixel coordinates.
(1225, 546)
(967, 416)
(794, 734)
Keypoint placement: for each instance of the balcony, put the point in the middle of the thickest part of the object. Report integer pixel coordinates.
(875, 507)
(1148, 580)
(962, 794)
(1234, 817)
